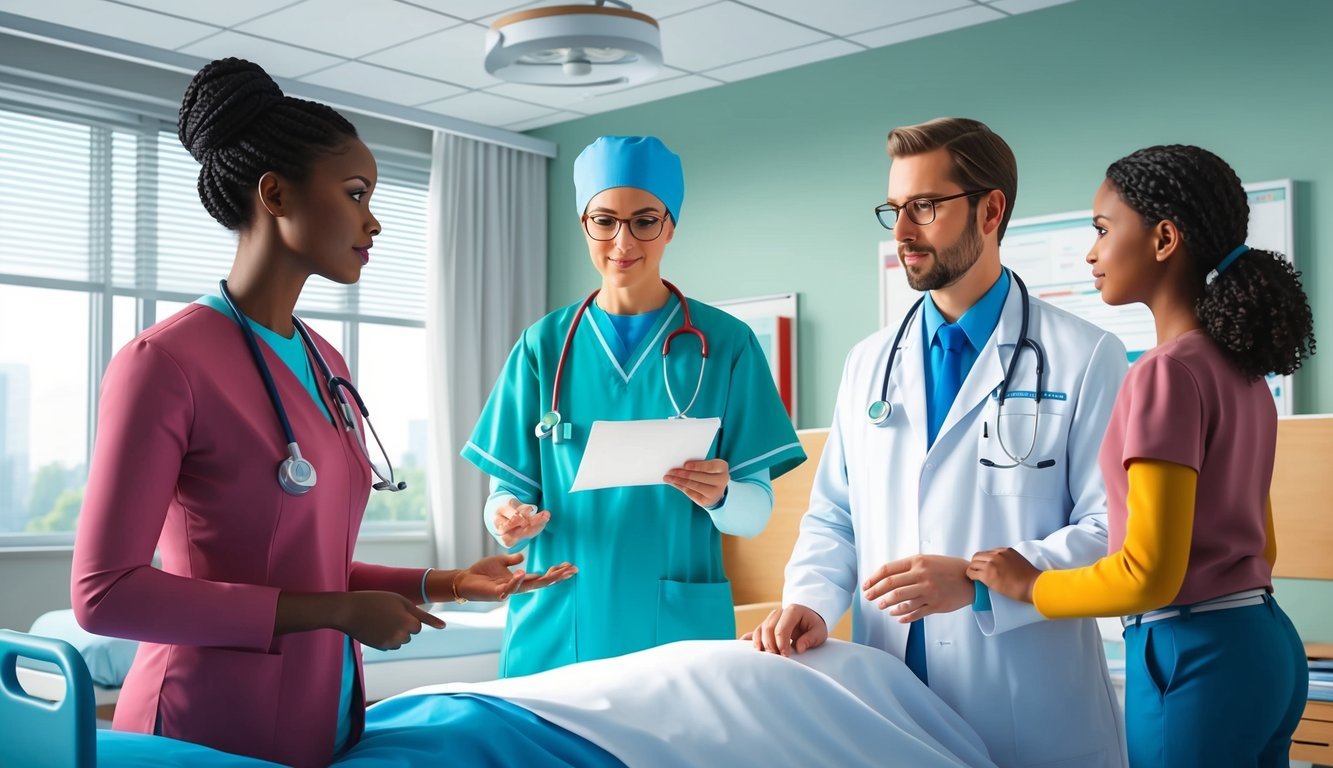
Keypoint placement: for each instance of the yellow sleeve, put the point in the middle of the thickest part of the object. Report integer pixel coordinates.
(1149, 569)
(1270, 546)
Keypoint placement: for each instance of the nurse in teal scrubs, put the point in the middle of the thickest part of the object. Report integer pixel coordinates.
(649, 557)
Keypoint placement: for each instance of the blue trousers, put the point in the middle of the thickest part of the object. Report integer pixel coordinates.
(1221, 688)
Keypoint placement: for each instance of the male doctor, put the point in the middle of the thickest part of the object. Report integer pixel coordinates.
(914, 481)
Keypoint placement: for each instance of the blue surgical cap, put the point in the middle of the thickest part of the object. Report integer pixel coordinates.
(642, 162)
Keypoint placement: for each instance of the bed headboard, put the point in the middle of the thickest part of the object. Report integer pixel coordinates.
(755, 566)
(1302, 498)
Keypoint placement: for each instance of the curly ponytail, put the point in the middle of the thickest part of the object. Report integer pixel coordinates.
(1254, 307)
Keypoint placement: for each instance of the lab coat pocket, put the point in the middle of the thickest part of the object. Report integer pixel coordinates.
(1037, 436)
(694, 611)
(204, 683)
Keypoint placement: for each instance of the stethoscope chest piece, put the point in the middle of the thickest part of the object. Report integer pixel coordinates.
(554, 426)
(879, 412)
(296, 475)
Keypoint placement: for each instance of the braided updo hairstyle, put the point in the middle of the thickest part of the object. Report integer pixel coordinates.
(1255, 309)
(238, 124)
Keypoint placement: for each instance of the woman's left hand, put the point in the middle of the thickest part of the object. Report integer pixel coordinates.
(490, 578)
(705, 482)
(1004, 571)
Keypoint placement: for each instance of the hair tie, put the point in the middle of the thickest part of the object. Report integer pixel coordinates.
(1226, 262)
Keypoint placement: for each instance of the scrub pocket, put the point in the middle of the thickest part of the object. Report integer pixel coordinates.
(694, 611)
(243, 684)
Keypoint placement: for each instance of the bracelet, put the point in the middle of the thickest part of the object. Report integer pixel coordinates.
(453, 587)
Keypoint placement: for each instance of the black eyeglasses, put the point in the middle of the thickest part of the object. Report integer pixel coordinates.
(601, 226)
(921, 210)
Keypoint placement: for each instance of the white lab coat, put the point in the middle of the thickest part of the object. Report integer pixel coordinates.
(1037, 691)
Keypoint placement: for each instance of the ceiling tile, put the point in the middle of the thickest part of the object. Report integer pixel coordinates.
(726, 33)
(659, 9)
(785, 60)
(133, 24)
(646, 93)
(348, 28)
(846, 17)
(570, 97)
(486, 20)
(487, 108)
(933, 25)
(380, 83)
(454, 55)
(538, 122)
(275, 58)
(223, 14)
(1023, 6)
(476, 9)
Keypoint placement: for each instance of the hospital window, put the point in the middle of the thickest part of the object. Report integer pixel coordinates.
(104, 236)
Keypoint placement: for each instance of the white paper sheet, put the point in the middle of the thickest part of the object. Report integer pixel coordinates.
(640, 452)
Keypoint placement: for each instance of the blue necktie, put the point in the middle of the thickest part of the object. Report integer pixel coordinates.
(948, 379)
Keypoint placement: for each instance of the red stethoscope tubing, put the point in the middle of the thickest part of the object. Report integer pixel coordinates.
(687, 327)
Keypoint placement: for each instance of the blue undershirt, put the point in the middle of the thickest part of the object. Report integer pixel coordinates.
(623, 332)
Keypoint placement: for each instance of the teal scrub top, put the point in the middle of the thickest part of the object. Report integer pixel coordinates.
(649, 559)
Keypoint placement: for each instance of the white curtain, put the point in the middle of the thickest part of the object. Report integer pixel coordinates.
(486, 282)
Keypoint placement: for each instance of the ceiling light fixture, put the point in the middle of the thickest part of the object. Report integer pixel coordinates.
(575, 45)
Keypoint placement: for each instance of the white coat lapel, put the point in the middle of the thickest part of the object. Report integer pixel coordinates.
(908, 384)
(988, 371)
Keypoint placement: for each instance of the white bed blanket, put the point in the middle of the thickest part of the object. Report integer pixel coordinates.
(721, 702)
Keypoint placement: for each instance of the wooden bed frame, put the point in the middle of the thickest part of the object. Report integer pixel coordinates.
(1302, 499)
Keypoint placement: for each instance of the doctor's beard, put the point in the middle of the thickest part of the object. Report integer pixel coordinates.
(949, 264)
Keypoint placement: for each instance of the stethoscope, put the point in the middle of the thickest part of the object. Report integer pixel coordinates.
(880, 410)
(296, 474)
(547, 426)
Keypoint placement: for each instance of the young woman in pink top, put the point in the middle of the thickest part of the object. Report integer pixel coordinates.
(1215, 672)
(246, 627)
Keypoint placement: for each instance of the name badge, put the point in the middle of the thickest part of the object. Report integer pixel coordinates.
(1029, 394)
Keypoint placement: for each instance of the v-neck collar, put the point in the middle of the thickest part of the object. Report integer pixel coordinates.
(270, 340)
(651, 340)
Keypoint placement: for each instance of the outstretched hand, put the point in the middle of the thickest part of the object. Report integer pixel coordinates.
(490, 578)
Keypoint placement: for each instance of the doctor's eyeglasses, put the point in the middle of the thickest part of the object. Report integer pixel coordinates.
(603, 227)
(921, 210)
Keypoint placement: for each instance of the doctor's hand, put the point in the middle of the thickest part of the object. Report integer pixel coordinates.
(382, 620)
(794, 628)
(705, 482)
(490, 578)
(1005, 571)
(517, 521)
(920, 585)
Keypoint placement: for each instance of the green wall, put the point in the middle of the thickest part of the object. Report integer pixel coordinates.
(783, 170)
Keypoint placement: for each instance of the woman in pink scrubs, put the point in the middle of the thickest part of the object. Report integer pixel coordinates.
(246, 627)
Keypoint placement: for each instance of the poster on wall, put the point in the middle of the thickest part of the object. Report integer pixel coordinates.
(1048, 252)
(773, 320)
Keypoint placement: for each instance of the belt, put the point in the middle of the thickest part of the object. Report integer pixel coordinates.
(1234, 600)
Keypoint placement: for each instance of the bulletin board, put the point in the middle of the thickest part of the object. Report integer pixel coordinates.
(1048, 253)
(773, 320)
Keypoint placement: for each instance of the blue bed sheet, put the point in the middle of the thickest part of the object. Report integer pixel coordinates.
(459, 729)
